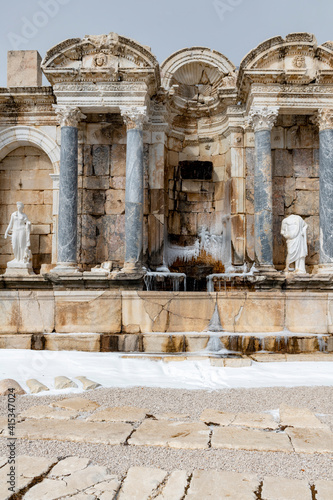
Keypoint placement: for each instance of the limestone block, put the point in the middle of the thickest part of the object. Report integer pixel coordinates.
(93, 202)
(255, 420)
(303, 160)
(118, 182)
(222, 484)
(36, 311)
(115, 201)
(305, 203)
(62, 382)
(233, 438)
(41, 412)
(26, 197)
(45, 243)
(140, 483)
(80, 404)
(41, 229)
(100, 159)
(250, 237)
(311, 440)
(278, 138)
(307, 184)
(119, 414)
(35, 386)
(75, 342)
(217, 417)
(237, 362)
(96, 182)
(188, 312)
(278, 196)
(237, 162)
(174, 488)
(7, 384)
(111, 237)
(279, 488)
(24, 68)
(196, 343)
(140, 311)
(324, 490)
(163, 343)
(173, 159)
(306, 313)
(191, 186)
(300, 418)
(88, 384)
(118, 160)
(237, 195)
(75, 431)
(69, 465)
(156, 166)
(185, 435)
(15, 341)
(237, 238)
(88, 311)
(34, 180)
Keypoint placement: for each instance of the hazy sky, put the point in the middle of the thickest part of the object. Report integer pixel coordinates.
(232, 27)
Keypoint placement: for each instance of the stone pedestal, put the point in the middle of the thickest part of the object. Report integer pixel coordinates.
(325, 121)
(67, 219)
(262, 119)
(134, 119)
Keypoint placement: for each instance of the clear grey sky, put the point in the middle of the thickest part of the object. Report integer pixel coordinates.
(232, 27)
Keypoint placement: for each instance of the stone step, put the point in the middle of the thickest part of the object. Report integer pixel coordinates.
(171, 343)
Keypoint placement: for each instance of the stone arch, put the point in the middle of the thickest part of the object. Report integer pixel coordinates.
(21, 135)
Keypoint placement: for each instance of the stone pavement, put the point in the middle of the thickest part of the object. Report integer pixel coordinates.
(76, 419)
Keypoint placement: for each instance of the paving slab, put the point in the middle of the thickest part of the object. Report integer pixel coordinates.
(48, 412)
(255, 420)
(109, 487)
(68, 466)
(174, 488)
(324, 490)
(233, 438)
(280, 488)
(3, 424)
(217, 417)
(171, 416)
(311, 440)
(121, 414)
(187, 435)
(80, 404)
(299, 417)
(140, 483)
(74, 430)
(217, 485)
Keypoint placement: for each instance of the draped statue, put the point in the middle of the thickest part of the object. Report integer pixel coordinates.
(294, 231)
(19, 229)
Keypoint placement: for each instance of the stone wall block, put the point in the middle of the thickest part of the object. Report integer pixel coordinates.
(118, 160)
(307, 313)
(9, 311)
(115, 201)
(100, 159)
(278, 138)
(282, 163)
(237, 162)
(303, 160)
(237, 195)
(36, 311)
(238, 239)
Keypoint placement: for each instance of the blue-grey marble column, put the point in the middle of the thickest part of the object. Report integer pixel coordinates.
(325, 120)
(262, 120)
(134, 119)
(68, 185)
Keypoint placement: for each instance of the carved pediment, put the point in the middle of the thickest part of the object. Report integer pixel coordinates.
(100, 58)
(297, 59)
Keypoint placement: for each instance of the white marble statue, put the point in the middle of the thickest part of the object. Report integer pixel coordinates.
(20, 228)
(294, 231)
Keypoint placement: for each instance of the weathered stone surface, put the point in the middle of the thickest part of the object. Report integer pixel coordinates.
(15, 341)
(121, 414)
(62, 382)
(222, 485)
(279, 488)
(87, 383)
(324, 490)
(300, 418)
(311, 440)
(171, 434)
(171, 416)
(68, 466)
(79, 404)
(48, 412)
(233, 438)
(74, 342)
(256, 420)
(237, 362)
(35, 386)
(217, 417)
(8, 383)
(174, 488)
(74, 430)
(140, 483)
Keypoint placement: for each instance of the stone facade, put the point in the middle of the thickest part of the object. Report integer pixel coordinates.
(192, 165)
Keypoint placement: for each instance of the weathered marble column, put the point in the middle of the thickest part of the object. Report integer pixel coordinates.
(325, 122)
(134, 118)
(262, 120)
(67, 219)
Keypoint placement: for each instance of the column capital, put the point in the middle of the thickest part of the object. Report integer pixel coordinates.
(263, 117)
(134, 116)
(69, 116)
(324, 119)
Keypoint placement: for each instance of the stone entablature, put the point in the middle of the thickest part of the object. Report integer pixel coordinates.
(197, 108)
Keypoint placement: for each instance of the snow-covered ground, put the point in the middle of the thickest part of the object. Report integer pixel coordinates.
(111, 370)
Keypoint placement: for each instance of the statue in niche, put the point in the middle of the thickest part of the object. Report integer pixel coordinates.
(20, 228)
(294, 229)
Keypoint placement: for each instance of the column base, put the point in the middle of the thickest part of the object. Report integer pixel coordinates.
(133, 268)
(66, 268)
(325, 269)
(266, 269)
(19, 271)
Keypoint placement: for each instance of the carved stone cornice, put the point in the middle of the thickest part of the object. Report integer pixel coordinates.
(134, 117)
(69, 116)
(325, 119)
(263, 118)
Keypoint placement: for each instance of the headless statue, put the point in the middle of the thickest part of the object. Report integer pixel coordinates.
(294, 231)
